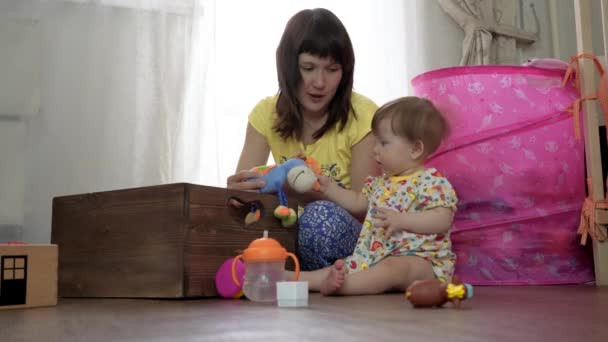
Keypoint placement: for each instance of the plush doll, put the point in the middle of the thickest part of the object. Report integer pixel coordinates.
(301, 175)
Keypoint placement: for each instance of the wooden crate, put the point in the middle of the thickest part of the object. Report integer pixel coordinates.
(163, 241)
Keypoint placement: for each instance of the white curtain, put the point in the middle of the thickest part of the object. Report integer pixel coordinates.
(491, 33)
(116, 79)
(138, 93)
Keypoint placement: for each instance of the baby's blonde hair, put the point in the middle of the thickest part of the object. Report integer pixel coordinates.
(414, 118)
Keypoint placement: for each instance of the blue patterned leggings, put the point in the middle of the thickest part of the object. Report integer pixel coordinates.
(327, 232)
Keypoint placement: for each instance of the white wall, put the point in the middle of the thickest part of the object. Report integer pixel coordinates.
(565, 33)
(19, 100)
(20, 80)
(11, 175)
(543, 47)
(443, 38)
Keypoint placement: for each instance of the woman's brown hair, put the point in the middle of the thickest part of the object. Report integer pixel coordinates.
(318, 32)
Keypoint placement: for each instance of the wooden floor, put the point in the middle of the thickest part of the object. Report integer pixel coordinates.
(533, 313)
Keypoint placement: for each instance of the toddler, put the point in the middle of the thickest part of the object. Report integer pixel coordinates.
(409, 209)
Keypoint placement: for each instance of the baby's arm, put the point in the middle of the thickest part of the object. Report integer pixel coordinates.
(432, 221)
(355, 202)
(439, 206)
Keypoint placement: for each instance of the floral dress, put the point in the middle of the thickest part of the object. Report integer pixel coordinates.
(423, 190)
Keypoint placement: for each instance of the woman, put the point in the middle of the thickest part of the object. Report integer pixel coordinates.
(317, 113)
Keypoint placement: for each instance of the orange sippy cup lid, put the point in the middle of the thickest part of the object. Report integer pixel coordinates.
(264, 249)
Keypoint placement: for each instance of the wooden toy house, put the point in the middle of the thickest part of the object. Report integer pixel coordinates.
(28, 275)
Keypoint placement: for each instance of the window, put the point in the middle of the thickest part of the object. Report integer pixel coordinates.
(13, 267)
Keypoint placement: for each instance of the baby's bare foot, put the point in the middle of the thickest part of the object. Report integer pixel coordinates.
(335, 279)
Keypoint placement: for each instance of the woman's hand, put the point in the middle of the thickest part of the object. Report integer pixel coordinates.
(245, 180)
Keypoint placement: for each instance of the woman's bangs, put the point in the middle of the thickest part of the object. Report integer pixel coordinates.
(323, 46)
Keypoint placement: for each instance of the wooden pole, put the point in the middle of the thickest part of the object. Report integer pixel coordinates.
(605, 31)
(591, 125)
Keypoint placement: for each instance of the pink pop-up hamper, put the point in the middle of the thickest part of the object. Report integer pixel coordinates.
(518, 171)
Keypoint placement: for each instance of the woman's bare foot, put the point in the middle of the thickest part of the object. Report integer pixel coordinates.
(334, 280)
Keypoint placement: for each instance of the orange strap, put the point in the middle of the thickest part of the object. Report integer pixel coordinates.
(574, 75)
(588, 226)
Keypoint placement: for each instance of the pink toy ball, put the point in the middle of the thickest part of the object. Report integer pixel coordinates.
(223, 279)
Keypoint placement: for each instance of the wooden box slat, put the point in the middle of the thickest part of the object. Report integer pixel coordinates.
(163, 241)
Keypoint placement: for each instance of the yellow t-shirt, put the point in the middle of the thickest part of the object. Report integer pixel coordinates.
(332, 151)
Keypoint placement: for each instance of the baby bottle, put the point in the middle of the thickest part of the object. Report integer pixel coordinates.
(264, 267)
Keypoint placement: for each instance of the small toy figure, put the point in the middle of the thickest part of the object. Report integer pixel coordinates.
(435, 293)
(299, 172)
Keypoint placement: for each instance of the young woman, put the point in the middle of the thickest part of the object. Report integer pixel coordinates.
(317, 113)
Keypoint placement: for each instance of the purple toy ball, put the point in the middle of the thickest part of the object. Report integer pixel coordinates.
(223, 279)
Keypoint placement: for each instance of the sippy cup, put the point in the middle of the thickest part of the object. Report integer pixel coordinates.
(264, 267)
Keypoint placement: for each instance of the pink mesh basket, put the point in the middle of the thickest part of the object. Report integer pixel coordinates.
(518, 170)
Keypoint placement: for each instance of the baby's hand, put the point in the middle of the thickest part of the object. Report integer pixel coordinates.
(388, 219)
